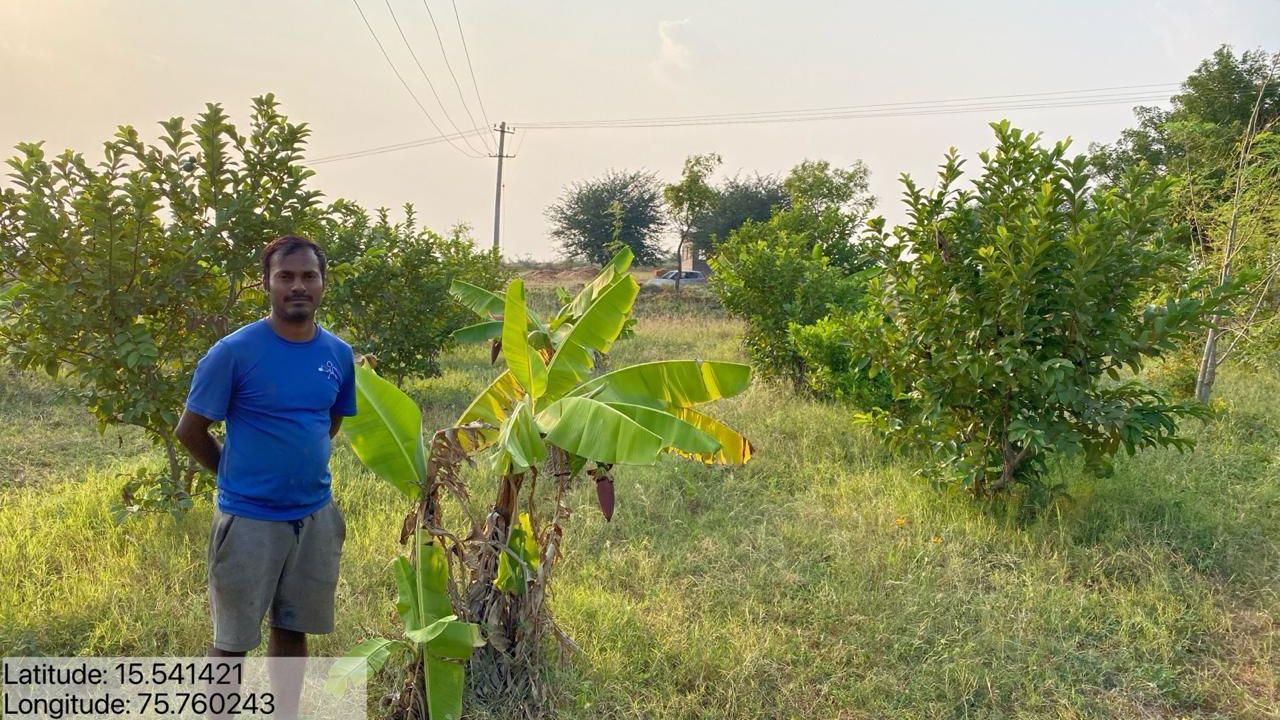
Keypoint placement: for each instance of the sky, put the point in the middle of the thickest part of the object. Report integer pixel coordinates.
(73, 70)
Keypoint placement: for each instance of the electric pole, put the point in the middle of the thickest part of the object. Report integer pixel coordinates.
(503, 132)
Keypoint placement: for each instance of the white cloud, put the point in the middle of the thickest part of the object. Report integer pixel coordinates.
(673, 57)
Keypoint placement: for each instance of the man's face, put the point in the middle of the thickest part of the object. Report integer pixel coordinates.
(294, 285)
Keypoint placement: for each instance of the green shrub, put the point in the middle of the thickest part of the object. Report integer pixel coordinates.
(796, 269)
(1015, 304)
(1175, 371)
(389, 286)
(773, 280)
(828, 205)
(835, 367)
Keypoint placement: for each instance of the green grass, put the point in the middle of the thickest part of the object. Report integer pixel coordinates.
(45, 434)
(820, 580)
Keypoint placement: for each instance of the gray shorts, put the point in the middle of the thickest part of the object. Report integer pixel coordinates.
(290, 567)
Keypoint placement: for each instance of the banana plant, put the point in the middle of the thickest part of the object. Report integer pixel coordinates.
(547, 412)
(386, 435)
(433, 637)
(547, 397)
(548, 409)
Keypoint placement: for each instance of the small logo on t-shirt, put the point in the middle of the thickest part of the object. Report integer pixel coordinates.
(328, 368)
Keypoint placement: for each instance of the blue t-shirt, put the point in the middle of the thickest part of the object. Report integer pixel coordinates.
(276, 396)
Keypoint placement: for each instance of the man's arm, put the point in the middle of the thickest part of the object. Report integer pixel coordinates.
(335, 423)
(193, 433)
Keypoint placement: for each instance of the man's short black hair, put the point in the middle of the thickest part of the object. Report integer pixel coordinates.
(287, 245)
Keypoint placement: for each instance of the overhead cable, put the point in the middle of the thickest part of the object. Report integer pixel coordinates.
(914, 112)
(457, 86)
(408, 89)
(470, 68)
(396, 147)
(999, 103)
(1139, 92)
(409, 46)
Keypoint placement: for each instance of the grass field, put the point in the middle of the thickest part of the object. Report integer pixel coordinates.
(822, 580)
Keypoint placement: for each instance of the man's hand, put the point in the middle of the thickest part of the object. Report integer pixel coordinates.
(193, 433)
(335, 424)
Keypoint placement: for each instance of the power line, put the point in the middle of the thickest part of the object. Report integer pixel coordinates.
(851, 115)
(1078, 94)
(436, 95)
(1082, 94)
(408, 89)
(470, 68)
(1024, 101)
(337, 157)
(457, 86)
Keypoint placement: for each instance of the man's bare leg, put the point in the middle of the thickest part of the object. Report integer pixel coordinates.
(286, 680)
(226, 691)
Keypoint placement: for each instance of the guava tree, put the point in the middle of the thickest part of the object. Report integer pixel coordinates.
(122, 272)
(382, 272)
(544, 416)
(1018, 309)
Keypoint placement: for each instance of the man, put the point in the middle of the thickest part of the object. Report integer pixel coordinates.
(283, 385)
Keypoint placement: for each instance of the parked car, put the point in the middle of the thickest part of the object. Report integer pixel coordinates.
(668, 278)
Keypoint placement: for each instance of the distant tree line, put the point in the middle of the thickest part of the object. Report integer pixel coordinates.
(593, 217)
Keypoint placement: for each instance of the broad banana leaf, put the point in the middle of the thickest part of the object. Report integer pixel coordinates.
(558, 334)
(595, 330)
(614, 269)
(386, 433)
(456, 642)
(734, 448)
(444, 687)
(361, 662)
(621, 260)
(457, 638)
(424, 607)
(433, 581)
(668, 384)
(539, 340)
(521, 440)
(499, 462)
(421, 596)
(432, 631)
(422, 602)
(511, 576)
(590, 429)
(485, 303)
(675, 433)
(407, 596)
(479, 332)
(524, 363)
(492, 408)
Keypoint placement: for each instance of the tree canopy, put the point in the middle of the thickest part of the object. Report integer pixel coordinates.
(739, 200)
(1199, 133)
(1007, 322)
(1217, 144)
(619, 206)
